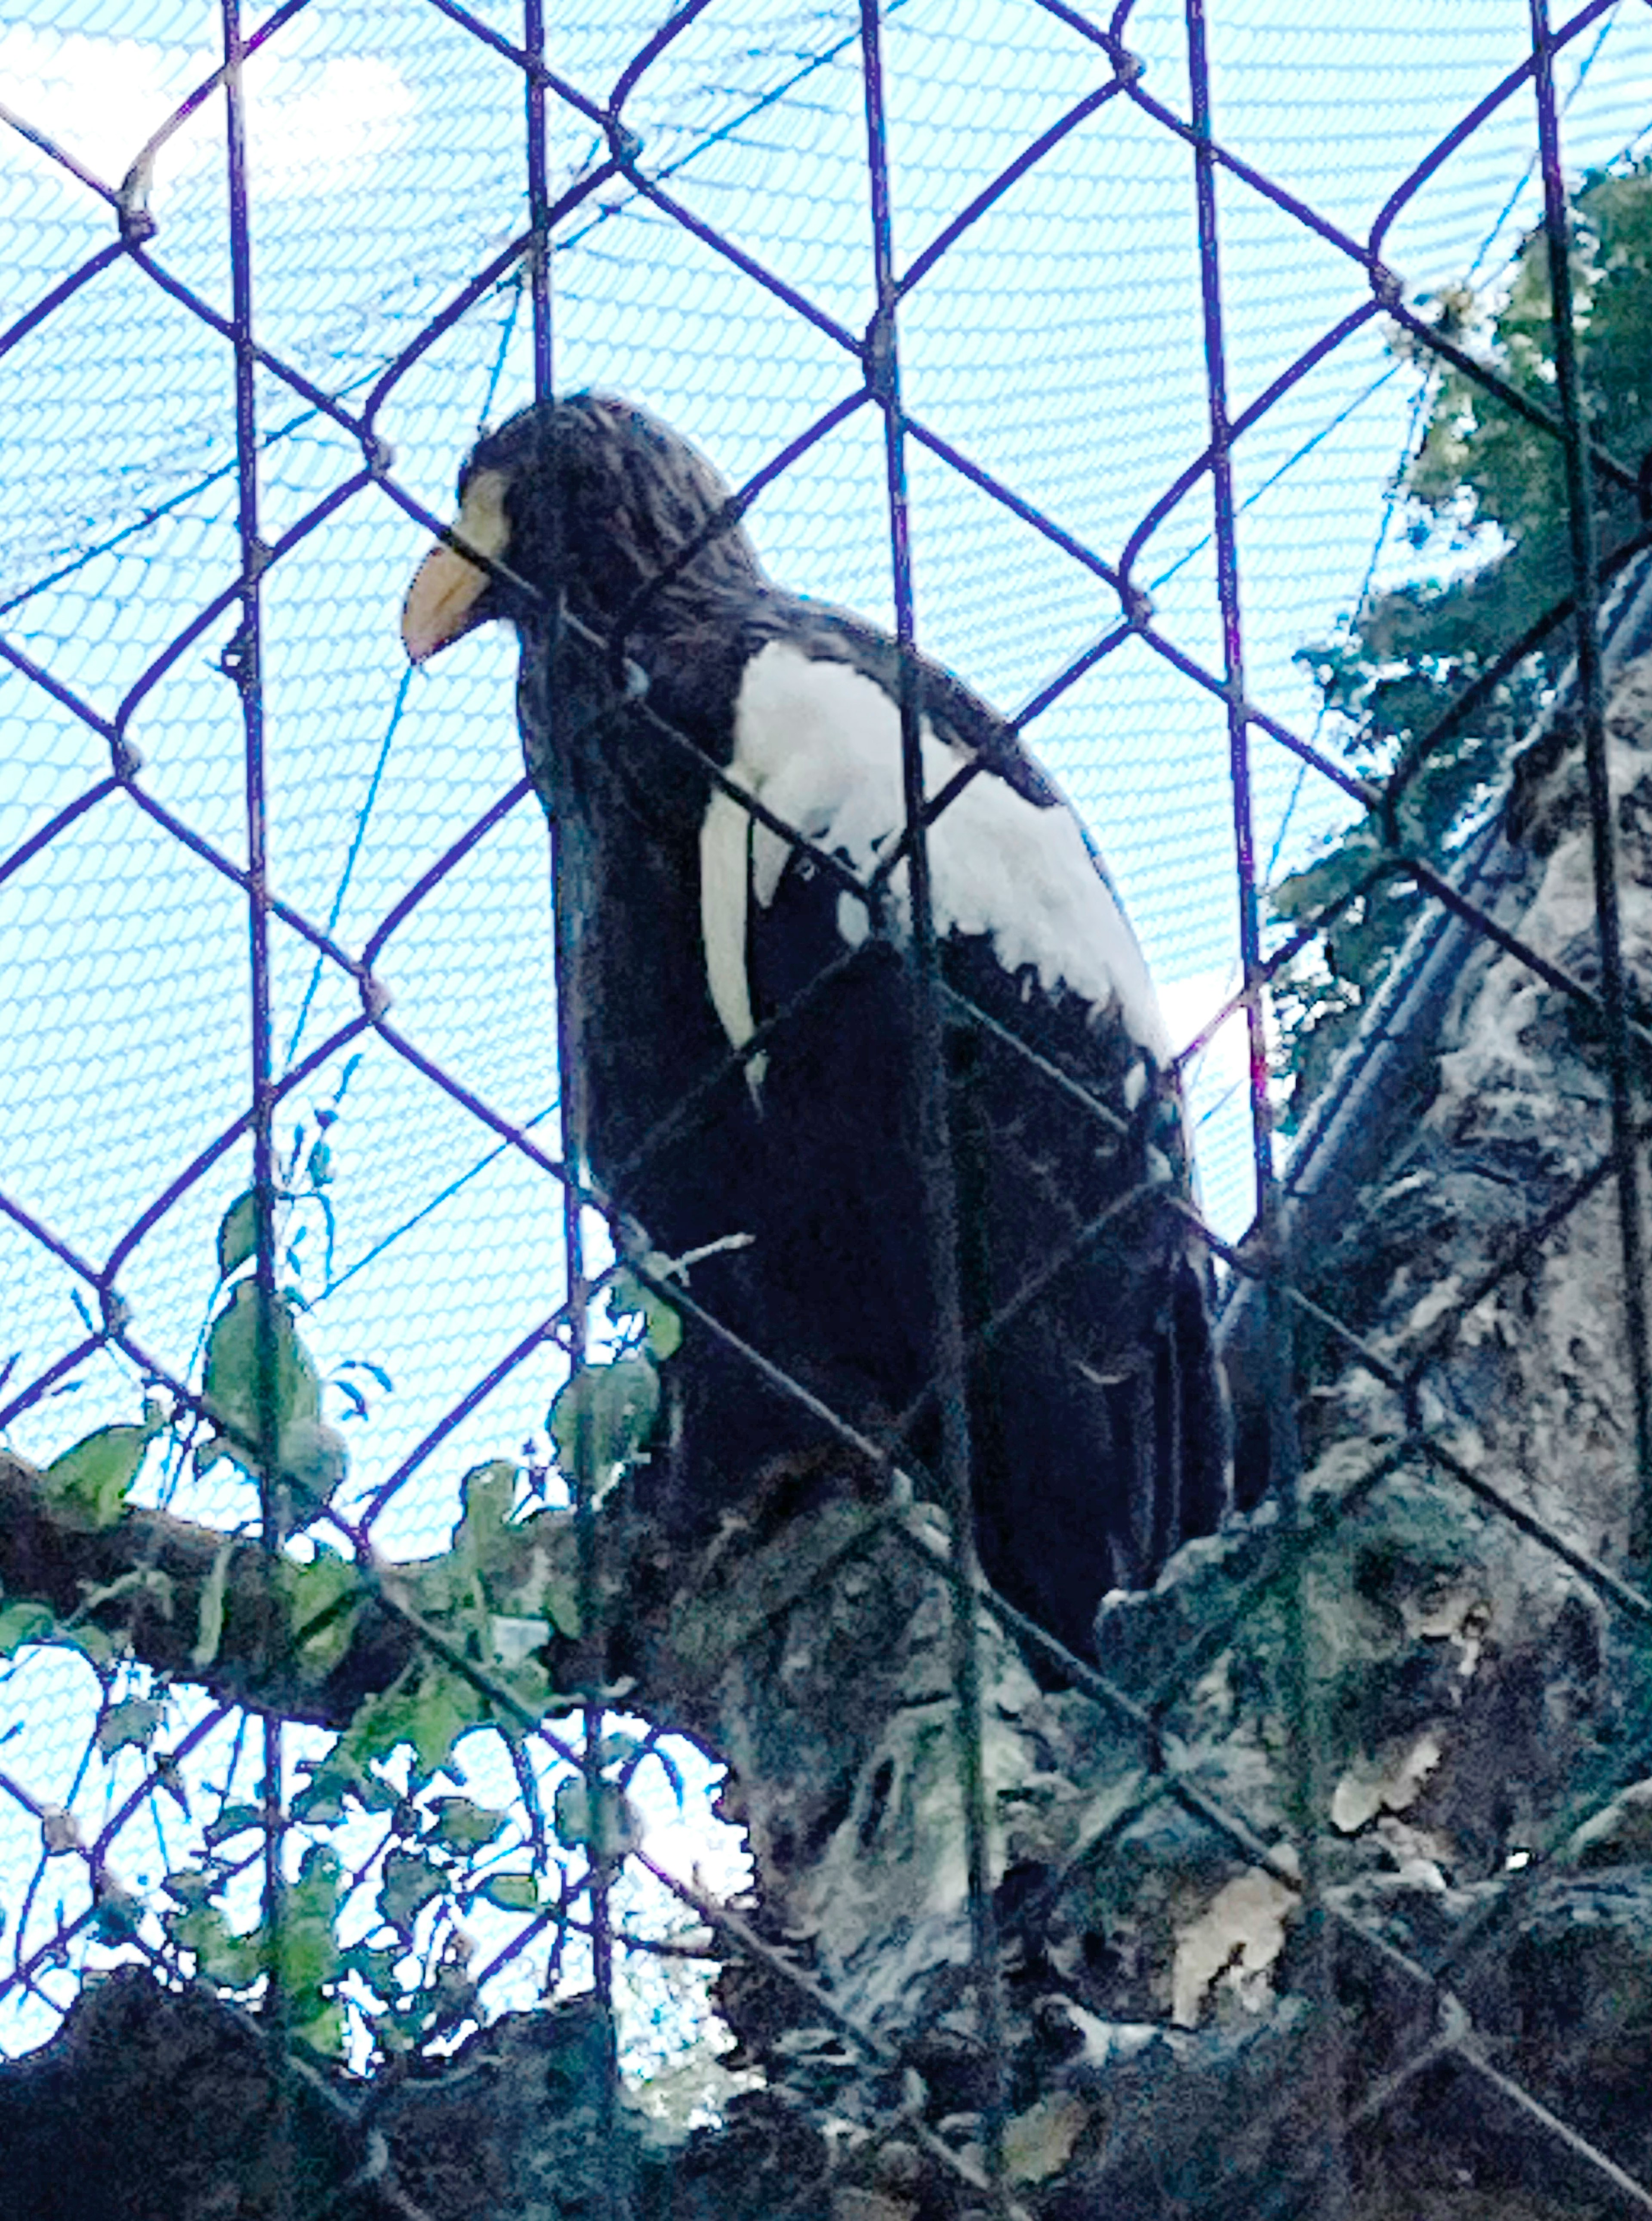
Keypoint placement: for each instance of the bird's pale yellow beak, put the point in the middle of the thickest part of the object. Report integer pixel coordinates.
(445, 599)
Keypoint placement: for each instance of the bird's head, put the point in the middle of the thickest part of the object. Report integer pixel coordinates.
(590, 496)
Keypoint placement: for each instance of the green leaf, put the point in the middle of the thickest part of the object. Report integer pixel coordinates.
(487, 1493)
(90, 1641)
(90, 1482)
(410, 1882)
(309, 1945)
(430, 1707)
(462, 1825)
(323, 2030)
(601, 1419)
(321, 1801)
(190, 1888)
(22, 1622)
(618, 1748)
(330, 1781)
(446, 1706)
(511, 1893)
(628, 1298)
(376, 1964)
(516, 1640)
(134, 1721)
(234, 1820)
(232, 1962)
(615, 1832)
(237, 1234)
(322, 1597)
(253, 1352)
(313, 1457)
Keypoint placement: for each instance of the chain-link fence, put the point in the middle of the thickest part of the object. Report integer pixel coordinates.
(1103, 311)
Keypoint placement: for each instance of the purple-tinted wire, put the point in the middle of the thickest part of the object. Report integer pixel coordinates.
(1252, 414)
(478, 1394)
(181, 642)
(1552, 974)
(1109, 41)
(990, 194)
(225, 599)
(450, 857)
(246, 673)
(37, 1229)
(44, 837)
(592, 112)
(474, 290)
(61, 155)
(245, 1448)
(1383, 280)
(541, 212)
(410, 505)
(442, 323)
(324, 403)
(1492, 382)
(674, 25)
(43, 1383)
(940, 1204)
(98, 1850)
(63, 291)
(1361, 790)
(1600, 1577)
(731, 514)
(1470, 123)
(1480, 689)
(1270, 967)
(1119, 15)
(1224, 431)
(59, 692)
(197, 845)
(133, 195)
(179, 1185)
(1013, 501)
(494, 1120)
(22, 1976)
(1615, 984)
(1070, 674)
(798, 303)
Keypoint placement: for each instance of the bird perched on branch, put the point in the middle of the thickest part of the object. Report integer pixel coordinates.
(722, 762)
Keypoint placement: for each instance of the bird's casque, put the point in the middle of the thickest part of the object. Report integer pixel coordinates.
(653, 649)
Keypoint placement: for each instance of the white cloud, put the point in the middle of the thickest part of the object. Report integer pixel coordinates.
(347, 113)
(312, 124)
(1222, 1066)
(100, 99)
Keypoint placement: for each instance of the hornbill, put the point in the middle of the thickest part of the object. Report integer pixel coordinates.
(655, 654)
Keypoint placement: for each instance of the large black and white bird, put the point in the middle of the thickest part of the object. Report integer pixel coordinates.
(1097, 1416)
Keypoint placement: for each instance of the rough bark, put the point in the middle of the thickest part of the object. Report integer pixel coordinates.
(1415, 1723)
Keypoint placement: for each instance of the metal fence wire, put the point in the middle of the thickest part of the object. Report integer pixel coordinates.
(232, 827)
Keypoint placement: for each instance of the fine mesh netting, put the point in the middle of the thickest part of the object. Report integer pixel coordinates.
(1056, 371)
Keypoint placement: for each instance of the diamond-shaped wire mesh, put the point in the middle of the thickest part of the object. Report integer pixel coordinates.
(259, 891)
